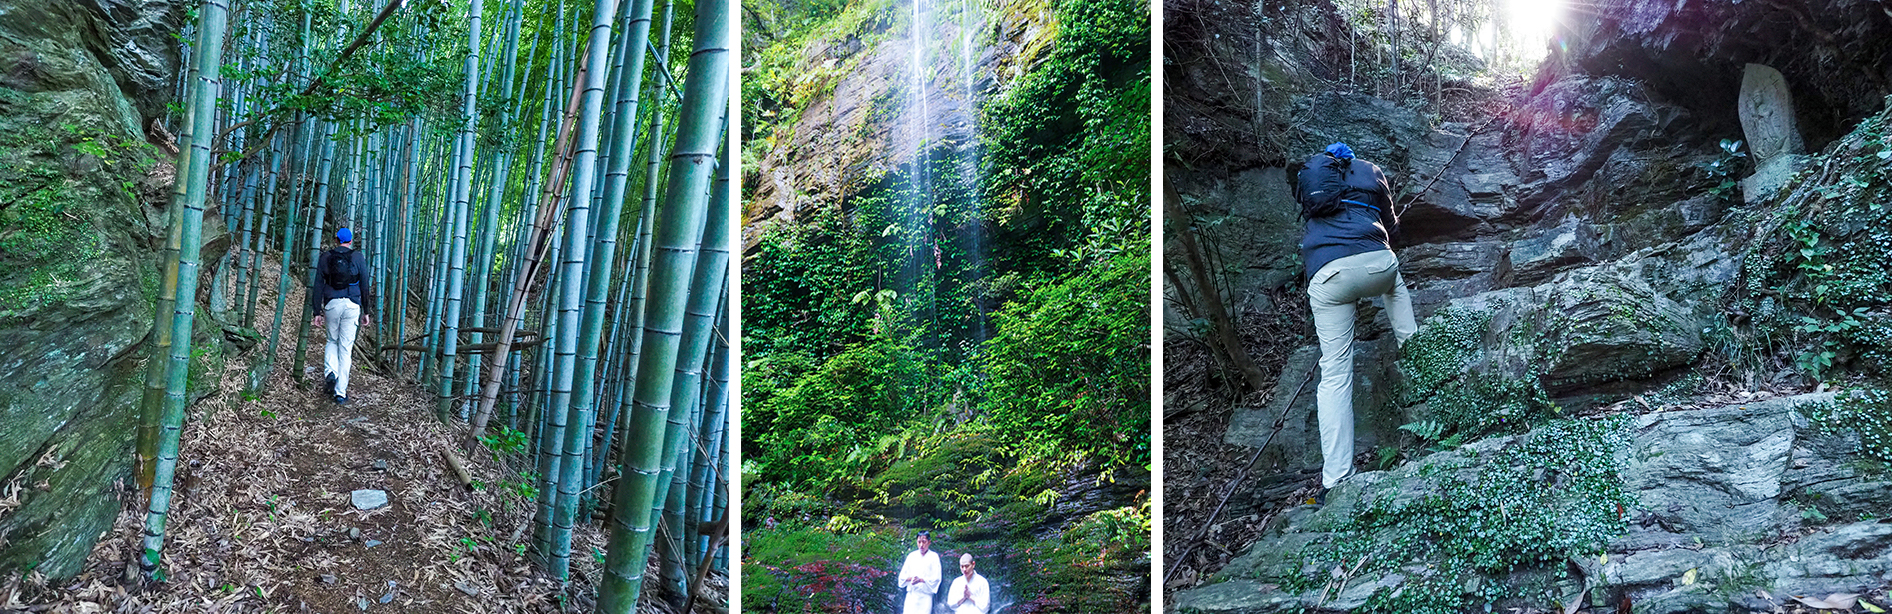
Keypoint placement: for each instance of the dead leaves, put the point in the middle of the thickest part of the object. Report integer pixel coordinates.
(1836, 601)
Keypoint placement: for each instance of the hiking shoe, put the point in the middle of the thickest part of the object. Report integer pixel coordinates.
(341, 400)
(329, 378)
(1319, 498)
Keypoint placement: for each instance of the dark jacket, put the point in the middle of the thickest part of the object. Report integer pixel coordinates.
(362, 294)
(1357, 229)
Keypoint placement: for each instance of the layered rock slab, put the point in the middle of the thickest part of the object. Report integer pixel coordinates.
(1720, 516)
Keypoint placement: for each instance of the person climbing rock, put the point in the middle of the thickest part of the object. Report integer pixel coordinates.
(970, 594)
(919, 577)
(343, 291)
(1348, 249)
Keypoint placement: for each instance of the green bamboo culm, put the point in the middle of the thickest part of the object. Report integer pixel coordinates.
(678, 233)
(577, 428)
(214, 15)
(151, 405)
(462, 191)
(709, 279)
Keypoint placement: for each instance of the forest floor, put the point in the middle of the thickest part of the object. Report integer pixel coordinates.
(1199, 467)
(263, 520)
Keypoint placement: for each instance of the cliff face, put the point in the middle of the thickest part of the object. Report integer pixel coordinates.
(1577, 245)
(81, 223)
(855, 131)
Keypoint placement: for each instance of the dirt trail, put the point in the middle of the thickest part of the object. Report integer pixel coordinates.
(263, 520)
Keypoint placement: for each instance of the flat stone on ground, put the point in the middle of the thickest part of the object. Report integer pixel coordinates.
(367, 499)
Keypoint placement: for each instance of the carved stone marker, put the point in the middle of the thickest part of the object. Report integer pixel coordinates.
(1766, 110)
(1773, 138)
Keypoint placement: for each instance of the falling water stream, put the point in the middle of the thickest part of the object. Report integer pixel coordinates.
(943, 230)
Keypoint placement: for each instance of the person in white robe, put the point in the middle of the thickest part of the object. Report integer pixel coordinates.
(969, 594)
(920, 576)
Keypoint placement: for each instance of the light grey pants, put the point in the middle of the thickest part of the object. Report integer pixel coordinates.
(343, 317)
(1332, 293)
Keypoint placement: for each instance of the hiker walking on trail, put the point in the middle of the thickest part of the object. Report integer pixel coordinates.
(1349, 254)
(342, 289)
(919, 577)
(970, 594)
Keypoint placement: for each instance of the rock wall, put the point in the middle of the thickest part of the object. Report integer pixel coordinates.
(82, 215)
(850, 138)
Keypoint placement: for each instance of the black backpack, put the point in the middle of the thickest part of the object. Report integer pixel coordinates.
(1321, 185)
(338, 268)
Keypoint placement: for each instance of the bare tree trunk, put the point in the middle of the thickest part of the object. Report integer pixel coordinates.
(1225, 333)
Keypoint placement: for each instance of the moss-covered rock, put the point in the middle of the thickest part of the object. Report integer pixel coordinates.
(77, 261)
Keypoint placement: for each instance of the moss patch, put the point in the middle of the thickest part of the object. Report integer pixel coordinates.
(1473, 528)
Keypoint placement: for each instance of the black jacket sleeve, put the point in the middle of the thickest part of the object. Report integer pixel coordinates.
(367, 285)
(320, 291)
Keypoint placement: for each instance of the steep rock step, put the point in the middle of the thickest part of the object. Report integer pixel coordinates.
(1687, 509)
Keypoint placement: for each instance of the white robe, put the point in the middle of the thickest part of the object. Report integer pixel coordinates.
(981, 601)
(920, 594)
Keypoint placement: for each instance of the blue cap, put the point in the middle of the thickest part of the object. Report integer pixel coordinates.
(344, 235)
(1340, 150)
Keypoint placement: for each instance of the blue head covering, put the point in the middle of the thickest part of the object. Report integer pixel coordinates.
(1340, 150)
(344, 235)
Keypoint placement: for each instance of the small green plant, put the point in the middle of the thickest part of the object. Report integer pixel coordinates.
(1426, 430)
(1726, 170)
(505, 441)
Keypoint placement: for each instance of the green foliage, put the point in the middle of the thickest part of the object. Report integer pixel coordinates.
(781, 79)
(1440, 350)
(1479, 403)
(846, 402)
(1055, 571)
(800, 287)
(1465, 403)
(1867, 412)
(505, 441)
(1554, 493)
(1726, 171)
(960, 336)
(1815, 281)
(1068, 371)
(1068, 146)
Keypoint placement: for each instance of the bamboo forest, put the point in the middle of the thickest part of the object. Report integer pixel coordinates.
(517, 210)
(945, 302)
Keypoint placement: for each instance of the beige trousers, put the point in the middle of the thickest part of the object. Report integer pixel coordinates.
(1332, 293)
(343, 317)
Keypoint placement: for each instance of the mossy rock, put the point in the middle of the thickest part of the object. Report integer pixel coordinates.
(78, 264)
(939, 484)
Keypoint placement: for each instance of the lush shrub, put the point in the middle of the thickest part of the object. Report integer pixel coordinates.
(798, 291)
(1068, 371)
(806, 430)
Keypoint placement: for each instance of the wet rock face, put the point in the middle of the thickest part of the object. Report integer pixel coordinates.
(848, 140)
(77, 260)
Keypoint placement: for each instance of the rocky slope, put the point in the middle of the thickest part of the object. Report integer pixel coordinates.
(81, 221)
(1576, 248)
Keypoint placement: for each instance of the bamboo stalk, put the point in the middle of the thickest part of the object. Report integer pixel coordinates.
(214, 15)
